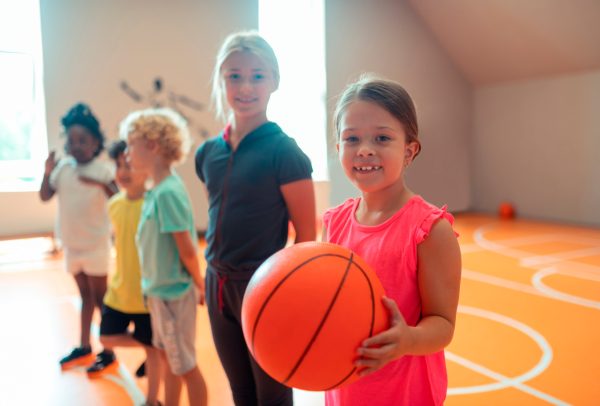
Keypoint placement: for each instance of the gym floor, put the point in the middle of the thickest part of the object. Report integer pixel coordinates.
(527, 332)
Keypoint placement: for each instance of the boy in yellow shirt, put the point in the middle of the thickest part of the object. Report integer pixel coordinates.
(124, 302)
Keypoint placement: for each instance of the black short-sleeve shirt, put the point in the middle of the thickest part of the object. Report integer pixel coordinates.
(248, 217)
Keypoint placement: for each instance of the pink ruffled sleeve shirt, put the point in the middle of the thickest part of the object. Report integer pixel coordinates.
(390, 249)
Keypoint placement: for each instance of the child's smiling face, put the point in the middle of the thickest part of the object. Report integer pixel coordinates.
(248, 83)
(372, 146)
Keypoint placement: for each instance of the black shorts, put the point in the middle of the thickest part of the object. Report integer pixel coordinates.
(115, 322)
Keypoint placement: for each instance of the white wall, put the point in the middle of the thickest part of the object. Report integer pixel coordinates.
(91, 46)
(386, 37)
(537, 144)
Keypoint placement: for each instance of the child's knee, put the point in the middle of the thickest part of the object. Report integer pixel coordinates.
(107, 340)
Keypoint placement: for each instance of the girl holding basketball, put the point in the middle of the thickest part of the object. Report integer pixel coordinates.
(407, 241)
(257, 180)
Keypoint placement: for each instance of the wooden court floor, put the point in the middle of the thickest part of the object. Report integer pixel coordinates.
(528, 329)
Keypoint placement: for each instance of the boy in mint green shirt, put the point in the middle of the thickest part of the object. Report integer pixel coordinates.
(166, 210)
(167, 247)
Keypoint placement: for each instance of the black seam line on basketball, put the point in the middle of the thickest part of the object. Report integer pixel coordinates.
(372, 324)
(342, 381)
(325, 316)
(268, 299)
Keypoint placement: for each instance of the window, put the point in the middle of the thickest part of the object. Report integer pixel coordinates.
(299, 105)
(23, 141)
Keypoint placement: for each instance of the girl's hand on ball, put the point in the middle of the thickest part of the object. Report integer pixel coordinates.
(375, 352)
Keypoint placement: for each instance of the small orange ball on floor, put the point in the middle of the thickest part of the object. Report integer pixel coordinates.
(506, 211)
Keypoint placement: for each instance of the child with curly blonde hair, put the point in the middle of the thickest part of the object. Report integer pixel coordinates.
(167, 247)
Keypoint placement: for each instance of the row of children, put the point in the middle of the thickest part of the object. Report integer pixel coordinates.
(257, 180)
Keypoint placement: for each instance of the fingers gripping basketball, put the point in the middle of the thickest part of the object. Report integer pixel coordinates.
(307, 309)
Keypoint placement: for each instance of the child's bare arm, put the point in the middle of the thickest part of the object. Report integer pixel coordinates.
(110, 188)
(46, 191)
(439, 280)
(189, 258)
(299, 198)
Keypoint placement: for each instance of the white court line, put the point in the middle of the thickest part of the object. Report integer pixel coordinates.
(505, 247)
(532, 262)
(541, 238)
(578, 270)
(548, 237)
(124, 378)
(496, 376)
(565, 297)
(126, 381)
(504, 381)
(501, 282)
(538, 288)
(496, 247)
(531, 239)
(538, 260)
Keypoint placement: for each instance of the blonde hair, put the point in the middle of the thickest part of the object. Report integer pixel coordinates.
(245, 41)
(163, 125)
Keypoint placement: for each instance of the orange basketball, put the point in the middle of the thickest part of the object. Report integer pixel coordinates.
(506, 211)
(307, 309)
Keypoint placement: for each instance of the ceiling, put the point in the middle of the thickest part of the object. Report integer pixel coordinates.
(494, 41)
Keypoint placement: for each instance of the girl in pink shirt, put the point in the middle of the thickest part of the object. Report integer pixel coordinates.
(409, 243)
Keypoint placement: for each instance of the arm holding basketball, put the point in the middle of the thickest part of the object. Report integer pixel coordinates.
(299, 198)
(188, 256)
(439, 280)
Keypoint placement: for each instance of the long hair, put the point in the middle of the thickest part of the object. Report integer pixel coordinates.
(245, 41)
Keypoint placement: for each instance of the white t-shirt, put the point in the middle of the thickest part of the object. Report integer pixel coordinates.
(82, 222)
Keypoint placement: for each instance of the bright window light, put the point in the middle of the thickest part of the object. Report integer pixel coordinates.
(23, 140)
(299, 105)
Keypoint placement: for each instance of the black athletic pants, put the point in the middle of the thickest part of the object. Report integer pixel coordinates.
(250, 385)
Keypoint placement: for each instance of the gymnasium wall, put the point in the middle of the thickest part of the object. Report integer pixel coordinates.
(537, 143)
(90, 47)
(388, 38)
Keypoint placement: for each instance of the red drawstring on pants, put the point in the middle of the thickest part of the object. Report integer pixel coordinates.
(222, 280)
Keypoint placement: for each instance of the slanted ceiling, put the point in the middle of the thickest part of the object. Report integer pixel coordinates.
(494, 41)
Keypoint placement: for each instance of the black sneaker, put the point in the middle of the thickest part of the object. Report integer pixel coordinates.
(141, 371)
(79, 356)
(104, 362)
